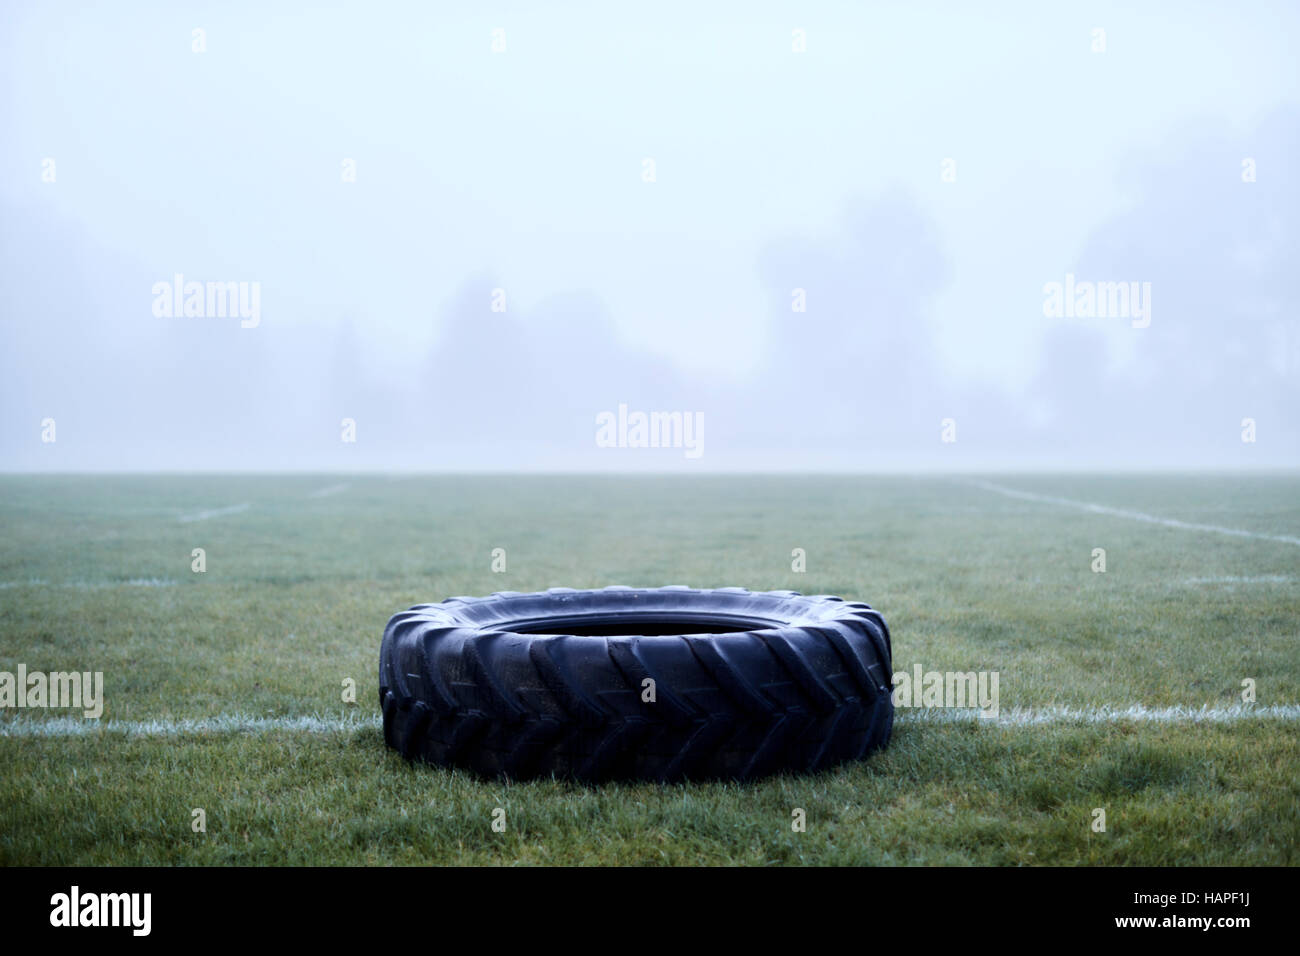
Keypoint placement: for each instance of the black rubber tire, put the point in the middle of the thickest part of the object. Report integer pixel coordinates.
(497, 685)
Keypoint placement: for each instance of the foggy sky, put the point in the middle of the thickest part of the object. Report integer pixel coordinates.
(522, 171)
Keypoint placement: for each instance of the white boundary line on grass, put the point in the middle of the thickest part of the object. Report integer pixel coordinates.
(90, 585)
(183, 726)
(1036, 716)
(1131, 515)
(214, 513)
(329, 490)
(1238, 579)
(26, 727)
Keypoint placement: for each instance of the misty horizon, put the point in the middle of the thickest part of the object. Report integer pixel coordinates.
(445, 263)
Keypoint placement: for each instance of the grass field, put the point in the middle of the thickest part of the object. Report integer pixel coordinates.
(205, 673)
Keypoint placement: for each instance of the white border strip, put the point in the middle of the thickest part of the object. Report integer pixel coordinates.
(329, 490)
(27, 727)
(183, 727)
(214, 513)
(1131, 515)
(1034, 716)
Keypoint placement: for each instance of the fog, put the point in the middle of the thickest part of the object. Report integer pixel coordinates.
(838, 257)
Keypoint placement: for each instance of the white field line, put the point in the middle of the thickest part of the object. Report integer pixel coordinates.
(1137, 713)
(330, 490)
(183, 727)
(214, 513)
(27, 727)
(1235, 579)
(91, 585)
(1132, 515)
(133, 583)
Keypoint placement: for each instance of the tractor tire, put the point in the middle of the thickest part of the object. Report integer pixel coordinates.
(658, 684)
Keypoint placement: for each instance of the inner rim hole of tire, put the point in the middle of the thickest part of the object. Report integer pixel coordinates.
(638, 625)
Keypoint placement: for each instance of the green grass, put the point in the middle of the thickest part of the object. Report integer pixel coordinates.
(298, 588)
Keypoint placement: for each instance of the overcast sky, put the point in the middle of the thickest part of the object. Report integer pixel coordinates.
(922, 172)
